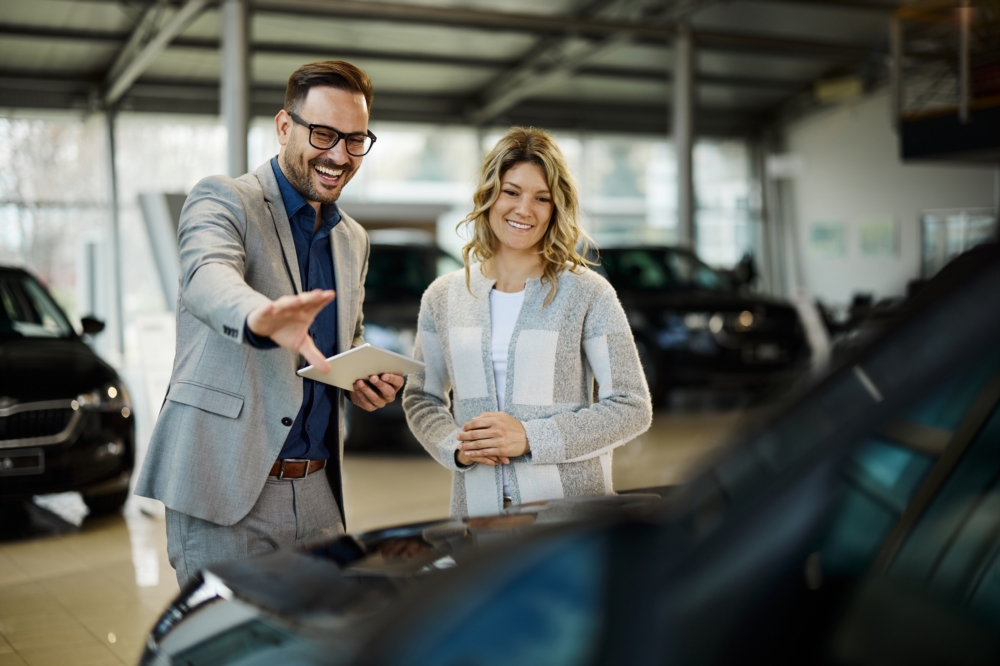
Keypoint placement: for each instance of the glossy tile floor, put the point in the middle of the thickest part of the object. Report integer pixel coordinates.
(85, 592)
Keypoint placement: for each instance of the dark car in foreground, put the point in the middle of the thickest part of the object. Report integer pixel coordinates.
(401, 265)
(856, 524)
(695, 326)
(65, 415)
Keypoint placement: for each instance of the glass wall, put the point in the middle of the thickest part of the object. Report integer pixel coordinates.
(53, 189)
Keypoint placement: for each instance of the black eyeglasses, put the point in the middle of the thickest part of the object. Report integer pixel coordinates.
(322, 137)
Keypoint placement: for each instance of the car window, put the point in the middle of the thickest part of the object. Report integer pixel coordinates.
(948, 551)
(545, 606)
(691, 272)
(636, 269)
(947, 406)
(448, 264)
(658, 270)
(399, 273)
(27, 310)
(879, 481)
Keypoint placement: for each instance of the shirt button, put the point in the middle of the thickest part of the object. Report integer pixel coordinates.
(286, 421)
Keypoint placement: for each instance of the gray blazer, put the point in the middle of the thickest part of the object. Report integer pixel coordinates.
(220, 428)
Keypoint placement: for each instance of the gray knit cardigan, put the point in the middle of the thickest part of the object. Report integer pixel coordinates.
(556, 353)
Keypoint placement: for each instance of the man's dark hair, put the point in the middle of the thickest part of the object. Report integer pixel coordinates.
(332, 73)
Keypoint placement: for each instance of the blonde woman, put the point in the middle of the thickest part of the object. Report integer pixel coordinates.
(515, 343)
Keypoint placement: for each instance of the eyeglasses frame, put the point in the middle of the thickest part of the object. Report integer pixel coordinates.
(340, 135)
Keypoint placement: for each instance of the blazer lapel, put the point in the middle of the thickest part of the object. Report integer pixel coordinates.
(272, 195)
(346, 274)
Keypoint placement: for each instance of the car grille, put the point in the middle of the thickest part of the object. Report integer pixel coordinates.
(35, 423)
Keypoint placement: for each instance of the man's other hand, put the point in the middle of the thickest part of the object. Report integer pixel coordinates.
(377, 392)
(287, 320)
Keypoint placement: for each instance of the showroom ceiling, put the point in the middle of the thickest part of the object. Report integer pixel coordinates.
(599, 65)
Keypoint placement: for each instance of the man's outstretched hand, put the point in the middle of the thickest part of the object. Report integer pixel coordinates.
(287, 320)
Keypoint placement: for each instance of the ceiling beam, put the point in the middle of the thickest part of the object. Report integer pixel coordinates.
(68, 91)
(876, 6)
(130, 67)
(706, 40)
(458, 17)
(550, 57)
(142, 31)
(541, 66)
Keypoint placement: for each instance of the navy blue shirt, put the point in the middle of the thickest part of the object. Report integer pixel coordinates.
(315, 430)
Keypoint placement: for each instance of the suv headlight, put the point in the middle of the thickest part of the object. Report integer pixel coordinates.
(112, 397)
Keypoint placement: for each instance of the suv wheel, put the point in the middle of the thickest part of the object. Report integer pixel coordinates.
(102, 505)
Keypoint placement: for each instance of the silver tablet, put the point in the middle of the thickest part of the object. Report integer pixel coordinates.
(361, 363)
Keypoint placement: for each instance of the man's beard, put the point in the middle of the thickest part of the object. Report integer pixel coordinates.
(301, 178)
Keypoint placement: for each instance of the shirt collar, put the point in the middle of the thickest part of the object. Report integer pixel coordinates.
(294, 202)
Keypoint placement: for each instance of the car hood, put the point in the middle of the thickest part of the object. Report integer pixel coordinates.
(363, 572)
(34, 370)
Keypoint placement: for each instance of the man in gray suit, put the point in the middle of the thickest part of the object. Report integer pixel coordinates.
(240, 437)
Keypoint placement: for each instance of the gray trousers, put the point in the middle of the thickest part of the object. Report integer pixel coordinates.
(290, 513)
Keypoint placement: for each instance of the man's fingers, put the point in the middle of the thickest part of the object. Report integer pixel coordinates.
(361, 401)
(362, 387)
(303, 303)
(312, 354)
(387, 390)
(396, 381)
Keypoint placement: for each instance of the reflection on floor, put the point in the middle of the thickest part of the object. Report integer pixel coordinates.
(86, 592)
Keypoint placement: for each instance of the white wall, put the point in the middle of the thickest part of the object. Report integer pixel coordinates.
(853, 173)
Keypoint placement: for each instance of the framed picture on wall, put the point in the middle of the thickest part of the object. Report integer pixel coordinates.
(878, 237)
(828, 239)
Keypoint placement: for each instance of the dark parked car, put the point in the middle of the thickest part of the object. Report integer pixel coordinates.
(401, 265)
(65, 415)
(858, 524)
(695, 326)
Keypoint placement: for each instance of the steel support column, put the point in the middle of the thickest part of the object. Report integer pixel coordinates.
(683, 132)
(235, 92)
(114, 242)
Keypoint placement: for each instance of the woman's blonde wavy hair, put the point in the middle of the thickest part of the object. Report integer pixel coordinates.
(528, 145)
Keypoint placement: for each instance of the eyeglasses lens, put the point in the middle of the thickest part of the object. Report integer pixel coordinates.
(356, 144)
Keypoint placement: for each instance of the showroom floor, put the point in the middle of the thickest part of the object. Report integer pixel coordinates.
(86, 593)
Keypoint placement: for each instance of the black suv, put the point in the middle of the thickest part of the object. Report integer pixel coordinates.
(65, 416)
(401, 265)
(694, 325)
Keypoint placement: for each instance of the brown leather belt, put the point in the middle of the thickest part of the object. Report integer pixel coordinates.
(296, 468)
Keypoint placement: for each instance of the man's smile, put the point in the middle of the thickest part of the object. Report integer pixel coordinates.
(330, 176)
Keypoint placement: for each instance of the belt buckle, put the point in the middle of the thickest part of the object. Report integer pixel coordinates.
(281, 470)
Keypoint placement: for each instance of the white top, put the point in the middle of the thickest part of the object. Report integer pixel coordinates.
(504, 309)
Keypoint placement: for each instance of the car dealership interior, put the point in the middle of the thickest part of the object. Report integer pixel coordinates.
(796, 203)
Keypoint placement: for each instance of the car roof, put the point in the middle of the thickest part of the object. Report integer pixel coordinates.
(402, 237)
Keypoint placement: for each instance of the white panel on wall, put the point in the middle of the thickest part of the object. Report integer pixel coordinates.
(856, 184)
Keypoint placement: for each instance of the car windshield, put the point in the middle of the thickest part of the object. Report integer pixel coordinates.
(401, 273)
(26, 310)
(661, 269)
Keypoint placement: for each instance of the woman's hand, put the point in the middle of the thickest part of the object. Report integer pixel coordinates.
(492, 436)
(491, 461)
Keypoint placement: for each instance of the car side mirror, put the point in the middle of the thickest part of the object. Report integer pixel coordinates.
(91, 325)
